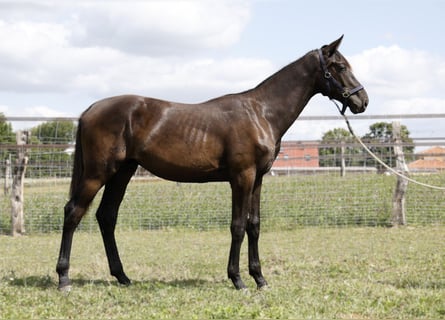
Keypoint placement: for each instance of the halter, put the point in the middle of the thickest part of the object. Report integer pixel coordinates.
(330, 80)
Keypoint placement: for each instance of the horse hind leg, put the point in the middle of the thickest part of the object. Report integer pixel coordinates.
(74, 210)
(107, 217)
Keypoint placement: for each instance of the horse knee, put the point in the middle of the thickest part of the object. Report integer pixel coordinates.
(238, 232)
(253, 227)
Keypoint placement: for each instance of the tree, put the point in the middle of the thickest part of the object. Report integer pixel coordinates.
(330, 152)
(6, 133)
(55, 132)
(7, 136)
(380, 139)
(52, 160)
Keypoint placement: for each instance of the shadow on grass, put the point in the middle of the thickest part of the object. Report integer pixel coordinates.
(416, 284)
(41, 282)
(47, 282)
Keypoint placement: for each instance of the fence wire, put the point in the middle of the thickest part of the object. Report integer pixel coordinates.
(294, 197)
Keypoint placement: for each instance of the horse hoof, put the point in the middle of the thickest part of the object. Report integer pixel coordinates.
(238, 283)
(125, 284)
(264, 287)
(65, 289)
(245, 291)
(124, 281)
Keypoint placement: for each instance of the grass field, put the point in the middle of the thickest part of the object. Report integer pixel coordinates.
(325, 273)
(287, 202)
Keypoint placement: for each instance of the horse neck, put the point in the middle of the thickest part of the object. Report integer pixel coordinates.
(284, 95)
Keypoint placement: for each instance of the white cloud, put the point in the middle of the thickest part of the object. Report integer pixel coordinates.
(138, 27)
(161, 27)
(42, 111)
(415, 105)
(175, 50)
(394, 72)
(104, 47)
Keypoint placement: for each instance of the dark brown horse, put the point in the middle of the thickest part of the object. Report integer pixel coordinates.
(233, 138)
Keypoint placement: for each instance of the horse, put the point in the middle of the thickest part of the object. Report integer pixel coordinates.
(233, 138)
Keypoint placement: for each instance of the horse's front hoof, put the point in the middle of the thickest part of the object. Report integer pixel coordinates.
(239, 284)
(264, 287)
(262, 284)
(64, 284)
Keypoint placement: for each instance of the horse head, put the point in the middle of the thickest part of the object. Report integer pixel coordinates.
(339, 82)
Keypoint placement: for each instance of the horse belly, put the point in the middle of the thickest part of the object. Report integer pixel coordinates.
(183, 165)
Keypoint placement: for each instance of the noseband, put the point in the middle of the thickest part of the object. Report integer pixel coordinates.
(331, 81)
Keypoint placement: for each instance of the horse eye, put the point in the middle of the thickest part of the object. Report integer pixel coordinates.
(342, 68)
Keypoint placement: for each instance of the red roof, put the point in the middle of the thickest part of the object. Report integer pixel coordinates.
(297, 154)
(427, 164)
(433, 158)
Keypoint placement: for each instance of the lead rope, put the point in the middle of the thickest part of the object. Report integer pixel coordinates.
(378, 159)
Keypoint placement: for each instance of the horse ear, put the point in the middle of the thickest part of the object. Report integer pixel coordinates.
(330, 49)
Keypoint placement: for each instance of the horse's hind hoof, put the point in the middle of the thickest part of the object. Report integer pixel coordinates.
(124, 284)
(65, 289)
(123, 279)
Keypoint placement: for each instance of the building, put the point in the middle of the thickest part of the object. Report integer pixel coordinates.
(431, 160)
(296, 156)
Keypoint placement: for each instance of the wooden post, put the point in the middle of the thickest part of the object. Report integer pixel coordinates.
(7, 185)
(18, 175)
(398, 213)
(342, 158)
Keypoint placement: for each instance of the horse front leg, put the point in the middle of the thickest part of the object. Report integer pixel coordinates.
(253, 233)
(241, 202)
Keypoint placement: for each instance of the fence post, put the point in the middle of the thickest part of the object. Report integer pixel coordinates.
(7, 185)
(342, 157)
(18, 175)
(398, 217)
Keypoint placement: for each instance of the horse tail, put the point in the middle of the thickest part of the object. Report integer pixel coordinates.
(78, 162)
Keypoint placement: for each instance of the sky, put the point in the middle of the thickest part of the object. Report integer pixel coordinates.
(58, 57)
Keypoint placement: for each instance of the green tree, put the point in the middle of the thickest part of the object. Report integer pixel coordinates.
(380, 140)
(52, 160)
(55, 132)
(330, 152)
(7, 136)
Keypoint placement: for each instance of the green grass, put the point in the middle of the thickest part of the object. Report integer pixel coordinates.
(325, 273)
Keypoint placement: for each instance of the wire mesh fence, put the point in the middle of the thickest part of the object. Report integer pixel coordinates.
(295, 194)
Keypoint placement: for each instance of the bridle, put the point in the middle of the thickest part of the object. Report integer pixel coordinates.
(331, 81)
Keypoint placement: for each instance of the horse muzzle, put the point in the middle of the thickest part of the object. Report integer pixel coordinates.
(358, 102)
